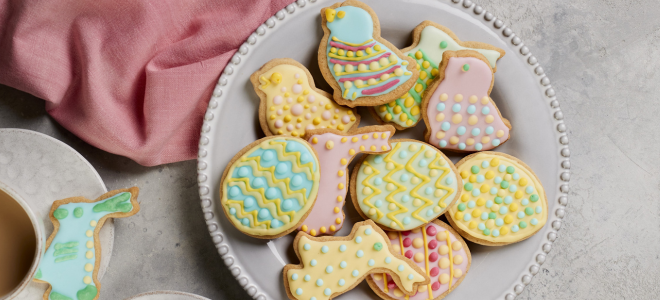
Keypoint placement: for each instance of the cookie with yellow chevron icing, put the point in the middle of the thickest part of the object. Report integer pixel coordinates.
(406, 187)
(336, 150)
(331, 266)
(71, 262)
(430, 41)
(291, 104)
(270, 186)
(362, 67)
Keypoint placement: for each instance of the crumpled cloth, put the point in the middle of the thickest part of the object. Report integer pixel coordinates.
(130, 77)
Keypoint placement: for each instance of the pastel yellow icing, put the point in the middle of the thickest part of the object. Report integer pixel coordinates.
(333, 266)
(501, 200)
(292, 106)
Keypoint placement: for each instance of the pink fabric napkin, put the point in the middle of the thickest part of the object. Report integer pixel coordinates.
(130, 77)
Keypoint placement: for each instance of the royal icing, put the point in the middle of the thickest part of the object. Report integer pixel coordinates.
(269, 189)
(436, 250)
(501, 200)
(335, 151)
(433, 42)
(360, 64)
(460, 112)
(70, 263)
(407, 187)
(333, 265)
(293, 105)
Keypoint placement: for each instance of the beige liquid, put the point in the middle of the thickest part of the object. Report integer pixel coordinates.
(17, 244)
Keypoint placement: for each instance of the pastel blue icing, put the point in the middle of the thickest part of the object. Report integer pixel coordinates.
(356, 27)
(63, 263)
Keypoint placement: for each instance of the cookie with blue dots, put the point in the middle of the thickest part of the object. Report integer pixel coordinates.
(330, 266)
(501, 200)
(270, 186)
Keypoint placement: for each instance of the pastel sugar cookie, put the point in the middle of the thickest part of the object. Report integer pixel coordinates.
(363, 68)
(406, 187)
(336, 150)
(270, 186)
(437, 249)
(430, 41)
(331, 266)
(502, 201)
(72, 259)
(291, 103)
(458, 112)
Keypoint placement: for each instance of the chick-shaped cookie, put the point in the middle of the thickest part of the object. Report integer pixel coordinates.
(458, 112)
(291, 103)
(430, 41)
(331, 266)
(363, 68)
(73, 251)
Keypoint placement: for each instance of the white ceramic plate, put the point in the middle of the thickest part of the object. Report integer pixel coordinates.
(42, 169)
(522, 93)
(167, 295)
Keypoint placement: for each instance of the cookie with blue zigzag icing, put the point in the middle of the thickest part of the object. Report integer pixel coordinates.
(270, 186)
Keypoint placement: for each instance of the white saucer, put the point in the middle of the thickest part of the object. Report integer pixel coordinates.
(42, 169)
(167, 295)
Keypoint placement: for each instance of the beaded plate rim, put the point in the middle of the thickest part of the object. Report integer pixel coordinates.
(468, 7)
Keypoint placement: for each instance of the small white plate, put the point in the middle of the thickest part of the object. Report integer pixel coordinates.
(522, 92)
(42, 169)
(167, 295)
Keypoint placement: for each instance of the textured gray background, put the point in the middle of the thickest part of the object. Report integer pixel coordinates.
(600, 57)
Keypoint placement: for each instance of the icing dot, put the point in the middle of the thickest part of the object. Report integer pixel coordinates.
(388, 260)
(299, 291)
(343, 264)
(440, 107)
(319, 282)
(324, 249)
(326, 115)
(358, 239)
(371, 262)
(312, 263)
(355, 273)
(307, 278)
(461, 130)
(342, 248)
(360, 253)
(328, 269)
(294, 277)
(341, 282)
(445, 126)
(485, 110)
(456, 108)
(401, 268)
(307, 246)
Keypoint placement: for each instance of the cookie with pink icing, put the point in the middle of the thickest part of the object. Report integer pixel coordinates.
(335, 151)
(438, 250)
(457, 109)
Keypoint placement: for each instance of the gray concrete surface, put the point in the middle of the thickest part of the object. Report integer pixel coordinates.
(602, 58)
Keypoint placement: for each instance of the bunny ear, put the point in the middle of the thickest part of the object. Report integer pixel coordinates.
(459, 113)
(330, 14)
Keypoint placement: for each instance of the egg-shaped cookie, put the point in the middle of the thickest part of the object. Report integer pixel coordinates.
(438, 250)
(501, 202)
(406, 187)
(270, 186)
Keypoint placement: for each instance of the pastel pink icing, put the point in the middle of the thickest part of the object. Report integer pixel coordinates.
(474, 82)
(323, 214)
(434, 271)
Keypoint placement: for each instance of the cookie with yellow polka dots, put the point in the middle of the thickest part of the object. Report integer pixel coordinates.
(438, 250)
(457, 109)
(336, 150)
(71, 262)
(291, 103)
(363, 68)
(502, 201)
(430, 41)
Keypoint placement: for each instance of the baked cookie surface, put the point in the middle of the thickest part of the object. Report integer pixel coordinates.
(502, 201)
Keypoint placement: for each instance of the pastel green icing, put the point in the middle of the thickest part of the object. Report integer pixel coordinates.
(414, 177)
(78, 212)
(60, 214)
(115, 204)
(433, 43)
